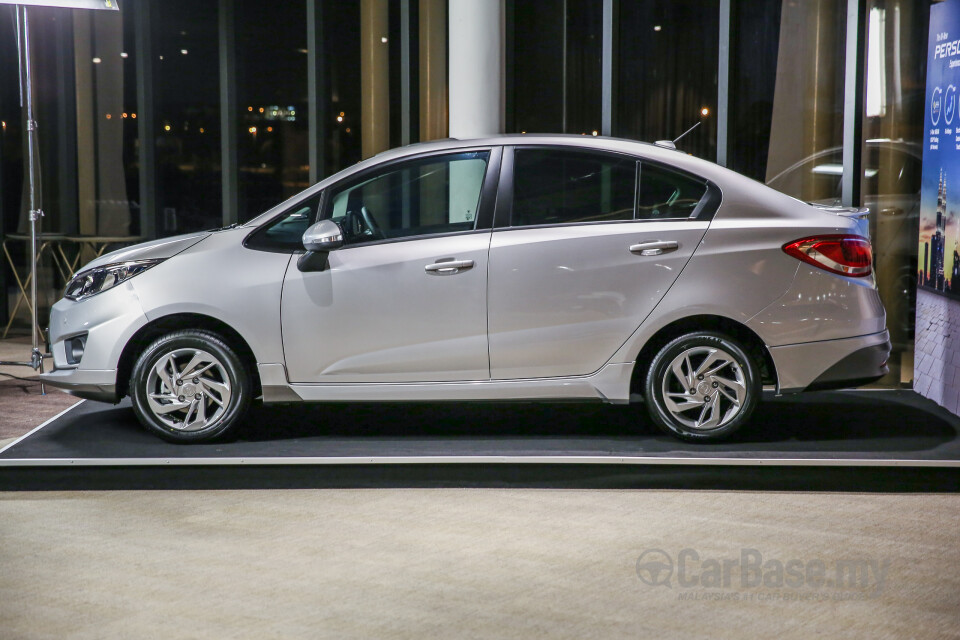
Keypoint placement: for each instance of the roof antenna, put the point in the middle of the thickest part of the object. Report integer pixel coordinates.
(672, 144)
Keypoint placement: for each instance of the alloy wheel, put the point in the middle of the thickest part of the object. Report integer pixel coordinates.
(188, 389)
(704, 388)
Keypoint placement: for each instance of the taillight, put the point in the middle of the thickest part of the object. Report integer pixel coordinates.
(845, 255)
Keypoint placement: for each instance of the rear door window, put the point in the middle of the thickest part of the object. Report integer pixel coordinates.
(556, 186)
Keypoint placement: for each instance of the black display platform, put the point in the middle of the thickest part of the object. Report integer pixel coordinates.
(459, 443)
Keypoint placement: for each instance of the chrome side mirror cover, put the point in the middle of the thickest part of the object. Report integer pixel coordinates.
(325, 235)
(319, 240)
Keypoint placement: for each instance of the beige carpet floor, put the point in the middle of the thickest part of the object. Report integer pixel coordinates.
(487, 563)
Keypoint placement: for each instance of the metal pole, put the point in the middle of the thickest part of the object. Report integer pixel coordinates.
(404, 72)
(229, 119)
(723, 85)
(317, 94)
(608, 66)
(36, 358)
(146, 126)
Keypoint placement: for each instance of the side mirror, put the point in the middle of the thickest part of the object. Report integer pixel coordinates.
(319, 240)
(325, 235)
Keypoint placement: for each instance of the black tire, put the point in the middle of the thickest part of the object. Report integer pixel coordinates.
(166, 405)
(711, 406)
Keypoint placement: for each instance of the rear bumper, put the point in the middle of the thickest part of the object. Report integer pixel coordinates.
(831, 364)
(861, 367)
(84, 383)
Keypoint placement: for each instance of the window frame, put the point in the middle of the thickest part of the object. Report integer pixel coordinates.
(705, 209)
(485, 207)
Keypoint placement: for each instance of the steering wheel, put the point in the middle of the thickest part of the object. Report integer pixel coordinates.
(372, 228)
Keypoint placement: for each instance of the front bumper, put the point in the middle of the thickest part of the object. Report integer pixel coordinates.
(831, 364)
(107, 321)
(85, 383)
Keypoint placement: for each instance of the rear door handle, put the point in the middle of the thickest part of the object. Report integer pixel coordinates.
(655, 248)
(448, 267)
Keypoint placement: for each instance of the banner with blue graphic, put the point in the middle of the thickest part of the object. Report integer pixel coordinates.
(937, 352)
(939, 262)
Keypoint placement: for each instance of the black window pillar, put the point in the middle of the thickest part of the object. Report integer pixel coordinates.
(146, 123)
(608, 69)
(853, 93)
(228, 113)
(316, 91)
(723, 84)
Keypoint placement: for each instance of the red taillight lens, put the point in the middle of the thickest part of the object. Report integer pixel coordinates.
(844, 255)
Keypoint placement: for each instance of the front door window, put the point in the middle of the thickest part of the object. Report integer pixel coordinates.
(434, 195)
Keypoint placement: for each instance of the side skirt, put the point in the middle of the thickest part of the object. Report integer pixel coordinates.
(610, 384)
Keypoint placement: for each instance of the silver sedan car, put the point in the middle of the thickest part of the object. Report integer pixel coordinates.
(511, 268)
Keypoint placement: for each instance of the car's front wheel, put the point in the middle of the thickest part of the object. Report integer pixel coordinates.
(702, 387)
(190, 386)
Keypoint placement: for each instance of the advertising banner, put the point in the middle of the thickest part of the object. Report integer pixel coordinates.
(937, 356)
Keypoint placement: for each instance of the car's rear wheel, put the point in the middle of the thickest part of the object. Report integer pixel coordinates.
(190, 386)
(702, 387)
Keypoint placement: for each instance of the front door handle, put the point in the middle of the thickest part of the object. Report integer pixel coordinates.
(655, 248)
(448, 267)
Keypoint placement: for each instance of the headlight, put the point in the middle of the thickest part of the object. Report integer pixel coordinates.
(99, 279)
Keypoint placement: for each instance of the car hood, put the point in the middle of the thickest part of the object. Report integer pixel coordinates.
(163, 248)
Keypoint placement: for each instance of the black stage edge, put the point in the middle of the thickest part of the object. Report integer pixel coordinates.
(466, 475)
(849, 441)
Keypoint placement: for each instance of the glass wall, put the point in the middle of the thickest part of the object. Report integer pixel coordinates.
(84, 91)
(668, 72)
(892, 154)
(107, 182)
(368, 33)
(341, 38)
(53, 82)
(754, 49)
(805, 146)
(556, 64)
(187, 121)
(11, 160)
(272, 93)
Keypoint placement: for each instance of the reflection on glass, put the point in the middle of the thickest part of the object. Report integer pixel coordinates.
(272, 94)
(11, 161)
(668, 72)
(82, 89)
(557, 48)
(806, 114)
(107, 170)
(892, 155)
(84, 85)
(187, 94)
(754, 45)
(341, 37)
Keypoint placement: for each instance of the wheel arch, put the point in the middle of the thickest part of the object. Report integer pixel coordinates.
(720, 324)
(177, 322)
